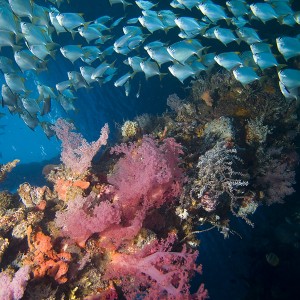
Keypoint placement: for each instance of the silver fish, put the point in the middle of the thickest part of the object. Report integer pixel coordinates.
(40, 15)
(15, 81)
(66, 103)
(225, 35)
(182, 50)
(8, 66)
(7, 38)
(63, 85)
(290, 78)
(260, 48)
(228, 60)
(42, 51)
(9, 99)
(31, 121)
(263, 11)
(27, 61)
(293, 93)
(152, 23)
(100, 70)
(248, 35)
(103, 19)
(160, 55)
(238, 8)
(123, 2)
(123, 79)
(135, 63)
(52, 15)
(167, 17)
(150, 68)
(86, 72)
(70, 21)
(176, 4)
(30, 105)
(77, 80)
(90, 33)
(288, 46)
(154, 44)
(22, 8)
(8, 21)
(145, 5)
(265, 60)
(45, 91)
(72, 52)
(90, 54)
(245, 75)
(35, 35)
(189, 4)
(181, 72)
(212, 11)
(239, 22)
(46, 126)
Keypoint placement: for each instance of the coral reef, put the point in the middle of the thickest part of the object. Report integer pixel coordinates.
(126, 226)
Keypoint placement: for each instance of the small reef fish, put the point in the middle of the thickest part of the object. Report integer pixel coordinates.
(263, 11)
(245, 75)
(290, 77)
(212, 11)
(265, 60)
(238, 8)
(248, 35)
(72, 52)
(228, 60)
(175, 38)
(181, 72)
(150, 68)
(288, 46)
(225, 36)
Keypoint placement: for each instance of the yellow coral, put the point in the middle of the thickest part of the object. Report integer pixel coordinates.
(130, 129)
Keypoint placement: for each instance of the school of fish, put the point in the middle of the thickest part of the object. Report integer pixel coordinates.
(30, 29)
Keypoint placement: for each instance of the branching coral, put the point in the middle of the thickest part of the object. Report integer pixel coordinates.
(217, 178)
(155, 272)
(77, 153)
(4, 169)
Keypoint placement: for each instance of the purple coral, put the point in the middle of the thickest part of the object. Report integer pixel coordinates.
(13, 289)
(77, 153)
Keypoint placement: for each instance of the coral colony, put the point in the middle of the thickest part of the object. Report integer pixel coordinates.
(125, 225)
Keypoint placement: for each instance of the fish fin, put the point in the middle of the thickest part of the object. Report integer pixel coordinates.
(280, 67)
(86, 24)
(19, 37)
(228, 21)
(162, 75)
(239, 40)
(16, 48)
(73, 32)
(125, 4)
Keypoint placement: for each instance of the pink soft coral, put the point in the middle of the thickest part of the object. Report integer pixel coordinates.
(145, 178)
(77, 153)
(155, 272)
(148, 174)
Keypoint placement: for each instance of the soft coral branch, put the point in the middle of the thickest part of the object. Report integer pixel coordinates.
(156, 272)
(77, 153)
